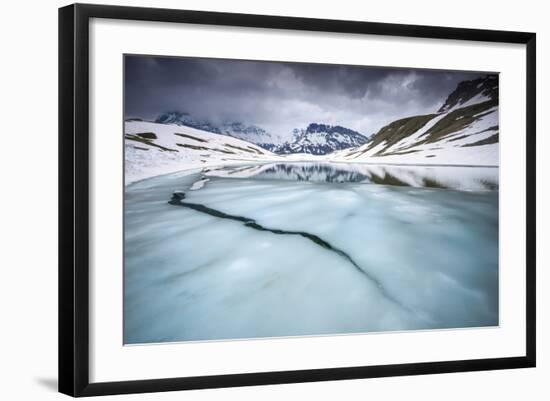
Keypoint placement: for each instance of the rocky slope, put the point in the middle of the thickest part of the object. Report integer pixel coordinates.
(465, 130)
(321, 139)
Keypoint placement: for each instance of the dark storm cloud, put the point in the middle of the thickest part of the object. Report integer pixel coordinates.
(282, 96)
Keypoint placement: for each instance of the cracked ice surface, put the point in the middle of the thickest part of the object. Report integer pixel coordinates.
(427, 258)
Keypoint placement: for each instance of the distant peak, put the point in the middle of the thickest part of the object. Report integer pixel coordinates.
(237, 129)
(331, 129)
(321, 139)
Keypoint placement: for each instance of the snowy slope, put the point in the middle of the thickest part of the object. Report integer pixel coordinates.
(239, 130)
(466, 132)
(153, 149)
(251, 133)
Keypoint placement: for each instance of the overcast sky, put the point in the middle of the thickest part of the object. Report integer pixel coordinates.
(282, 96)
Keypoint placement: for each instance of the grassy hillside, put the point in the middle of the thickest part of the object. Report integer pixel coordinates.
(398, 130)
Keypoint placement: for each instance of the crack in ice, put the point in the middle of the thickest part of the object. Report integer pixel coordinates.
(177, 200)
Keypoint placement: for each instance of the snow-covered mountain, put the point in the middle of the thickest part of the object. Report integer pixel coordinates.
(471, 92)
(249, 133)
(316, 139)
(465, 130)
(152, 149)
(321, 139)
(185, 119)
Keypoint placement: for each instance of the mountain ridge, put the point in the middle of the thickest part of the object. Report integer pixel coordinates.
(235, 129)
(466, 91)
(316, 138)
(468, 119)
(322, 139)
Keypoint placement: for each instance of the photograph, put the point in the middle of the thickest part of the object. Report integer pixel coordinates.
(266, 201)
(272, 199)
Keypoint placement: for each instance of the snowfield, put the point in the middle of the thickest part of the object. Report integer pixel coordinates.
(463, 147)
(174, 148)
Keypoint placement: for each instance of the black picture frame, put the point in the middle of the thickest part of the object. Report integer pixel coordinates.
(74, 198)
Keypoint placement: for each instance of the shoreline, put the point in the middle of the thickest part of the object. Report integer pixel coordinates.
(190, 169)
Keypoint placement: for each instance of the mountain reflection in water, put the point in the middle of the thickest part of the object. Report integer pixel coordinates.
(446, 177)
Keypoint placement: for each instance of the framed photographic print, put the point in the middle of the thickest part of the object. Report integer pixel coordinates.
(250, 199)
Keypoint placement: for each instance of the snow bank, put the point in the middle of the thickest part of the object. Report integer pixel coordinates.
(174, 148)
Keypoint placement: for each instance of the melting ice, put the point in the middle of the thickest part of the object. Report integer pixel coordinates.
(270, 250)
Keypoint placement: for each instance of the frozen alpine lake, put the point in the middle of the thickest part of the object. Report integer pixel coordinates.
(300, 249)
